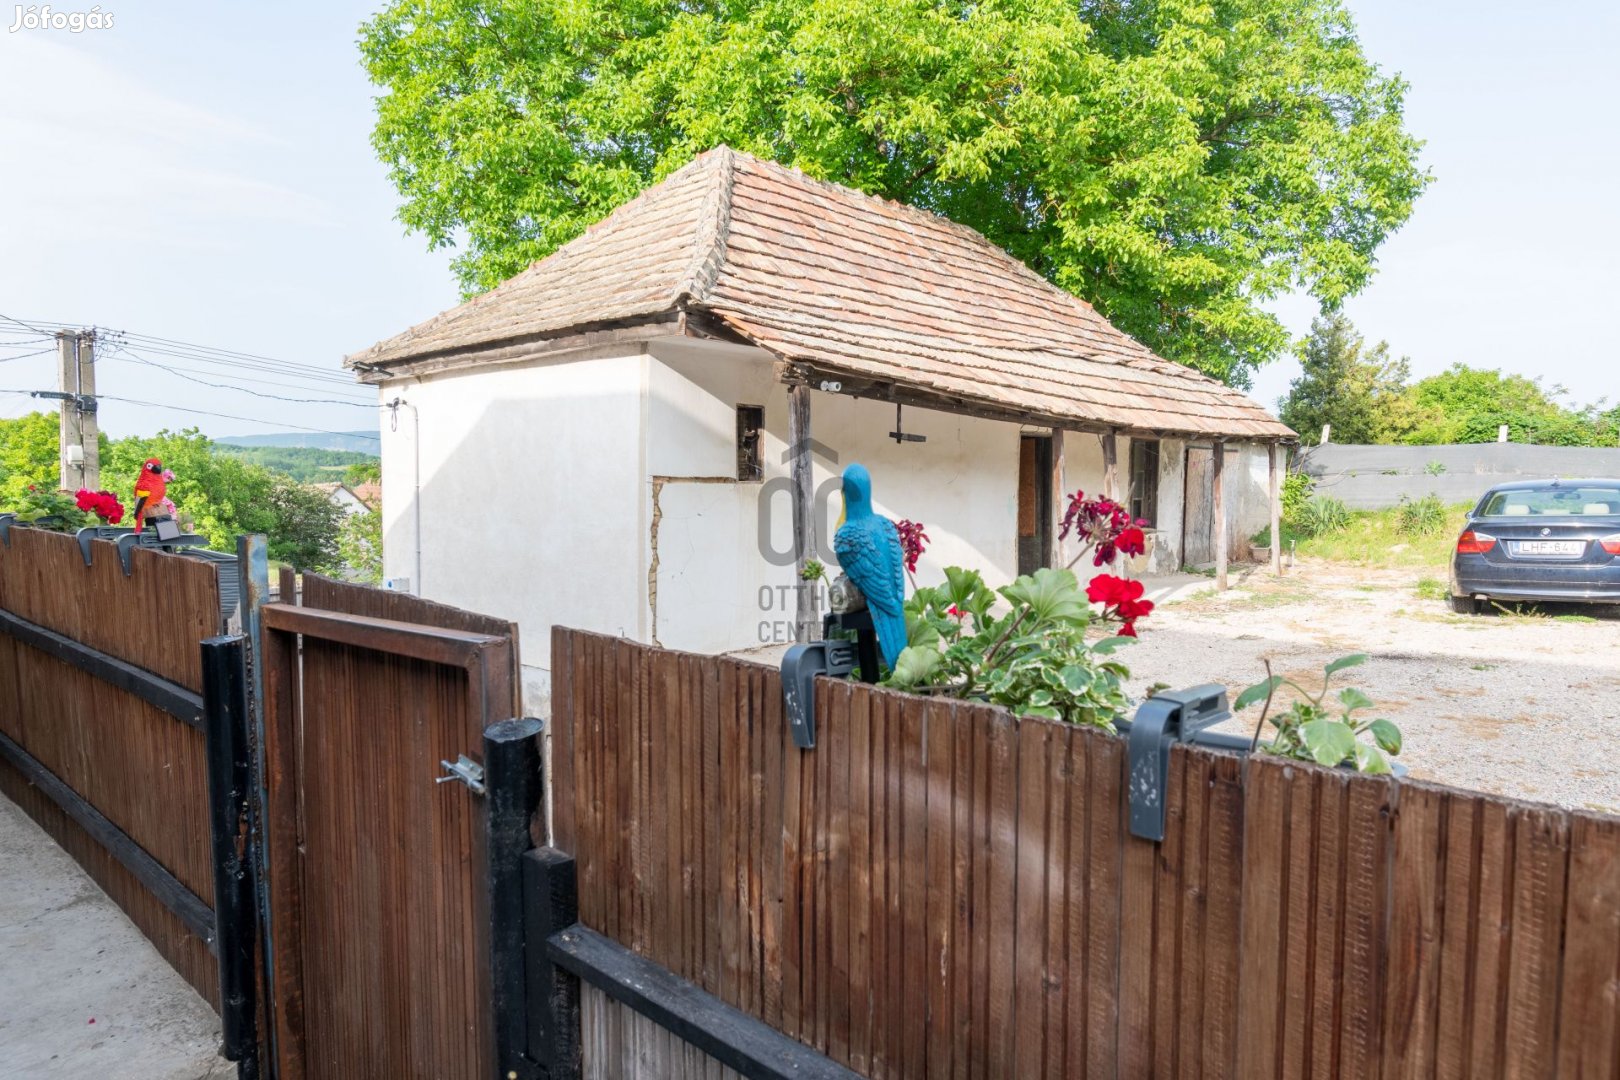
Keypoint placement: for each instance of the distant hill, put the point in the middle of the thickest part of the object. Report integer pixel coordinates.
(306, 464)
(359, 442)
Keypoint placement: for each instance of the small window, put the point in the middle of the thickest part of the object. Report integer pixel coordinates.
(750, 442)
(1145, 480)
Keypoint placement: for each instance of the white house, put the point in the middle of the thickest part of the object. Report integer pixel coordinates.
(343, 497)
(632, 435)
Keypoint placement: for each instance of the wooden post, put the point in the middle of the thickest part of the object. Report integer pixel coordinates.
(1276, 509)
(804, 495)
(1110, 452)
(1219, 461)
(512, 799)
(1060, 500)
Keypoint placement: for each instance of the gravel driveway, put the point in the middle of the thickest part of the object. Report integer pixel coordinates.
(1524, 706)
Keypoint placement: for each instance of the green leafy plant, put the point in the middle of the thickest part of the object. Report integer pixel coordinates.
(1296, 489)
(1420, 517)
(45, 507)
(814, 570)
(1435, 468)
(1320, 515)
(1330, 733)
(1033, 657)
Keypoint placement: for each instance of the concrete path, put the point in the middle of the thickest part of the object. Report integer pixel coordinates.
(82, 992)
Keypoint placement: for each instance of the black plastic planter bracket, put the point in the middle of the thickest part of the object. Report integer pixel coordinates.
(1161, 721)
(800, 667)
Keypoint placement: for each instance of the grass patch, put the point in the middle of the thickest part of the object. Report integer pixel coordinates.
(1432, 588)
(1574, 618)
(1375, 538)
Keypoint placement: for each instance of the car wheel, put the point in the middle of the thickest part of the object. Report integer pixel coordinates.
(1464, 605)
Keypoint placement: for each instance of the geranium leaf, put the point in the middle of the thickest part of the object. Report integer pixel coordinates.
(1353, 699)
(1329, 741)
(1343, 662)
(1369, 759)
(1257, 693)
(1387, 735)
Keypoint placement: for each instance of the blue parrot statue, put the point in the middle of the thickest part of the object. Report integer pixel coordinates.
(868, 548)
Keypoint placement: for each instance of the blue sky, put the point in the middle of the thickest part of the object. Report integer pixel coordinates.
(201, 172)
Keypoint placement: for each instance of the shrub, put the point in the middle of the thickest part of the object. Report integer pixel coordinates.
(1420, 517)
(1321, 514)
(1296, 489)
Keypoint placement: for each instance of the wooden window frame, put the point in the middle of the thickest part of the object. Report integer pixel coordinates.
(1143, 500)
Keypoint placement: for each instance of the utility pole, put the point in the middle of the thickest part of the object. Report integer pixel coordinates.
(71, 439)
(80, 449)
(89, 430)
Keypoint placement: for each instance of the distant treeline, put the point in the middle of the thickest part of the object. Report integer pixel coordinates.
(306, 465)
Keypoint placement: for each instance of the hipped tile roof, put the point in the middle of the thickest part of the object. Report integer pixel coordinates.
(847, 283)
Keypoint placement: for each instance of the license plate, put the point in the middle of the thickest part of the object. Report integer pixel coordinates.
(1551, 547)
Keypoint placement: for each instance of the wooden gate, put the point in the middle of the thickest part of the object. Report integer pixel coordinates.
(1198, 508)
(377, 946)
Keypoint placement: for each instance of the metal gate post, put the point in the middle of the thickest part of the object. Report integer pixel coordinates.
(225, 719)
(512, 798)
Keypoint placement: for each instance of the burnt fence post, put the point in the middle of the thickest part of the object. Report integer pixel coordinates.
(551, 889)
(512, 794)
(225, 719)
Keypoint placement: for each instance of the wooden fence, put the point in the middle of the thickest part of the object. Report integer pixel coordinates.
(126, 743)
(942, 890)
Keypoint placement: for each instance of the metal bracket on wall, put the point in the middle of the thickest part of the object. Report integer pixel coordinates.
(6, 522)
(1161, 721)
(800, 667)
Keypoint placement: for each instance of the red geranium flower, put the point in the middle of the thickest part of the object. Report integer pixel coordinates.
(1132, 541)
(913, 542)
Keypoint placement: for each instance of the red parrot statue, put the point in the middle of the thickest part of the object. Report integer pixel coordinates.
(150, 489)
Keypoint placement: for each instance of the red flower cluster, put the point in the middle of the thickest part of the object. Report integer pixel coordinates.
(103, 504)
(913, 542)
(1121, 599)
(1104, 524)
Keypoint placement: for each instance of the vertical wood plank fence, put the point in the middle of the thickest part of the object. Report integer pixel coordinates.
(943, 890)
(139, 766)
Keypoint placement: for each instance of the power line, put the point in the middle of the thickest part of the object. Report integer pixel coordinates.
(21, 356)
(26, 326)
(230, 416)
(120, 351)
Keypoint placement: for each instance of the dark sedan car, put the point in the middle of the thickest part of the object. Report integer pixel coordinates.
(1540, 540)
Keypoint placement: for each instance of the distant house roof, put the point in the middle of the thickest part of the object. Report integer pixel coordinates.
(839, 285)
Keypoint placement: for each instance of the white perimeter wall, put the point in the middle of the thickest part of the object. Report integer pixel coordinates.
(531, 497)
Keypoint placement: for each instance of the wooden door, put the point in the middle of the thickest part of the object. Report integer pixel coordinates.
(1034, 502)
(378, 927)
(1198, 508)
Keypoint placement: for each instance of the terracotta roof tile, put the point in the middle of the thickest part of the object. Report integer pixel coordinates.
(846, 282)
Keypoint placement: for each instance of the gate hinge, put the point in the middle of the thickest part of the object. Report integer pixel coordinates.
(465, 770)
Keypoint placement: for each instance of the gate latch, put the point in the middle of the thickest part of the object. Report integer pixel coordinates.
(466, 771)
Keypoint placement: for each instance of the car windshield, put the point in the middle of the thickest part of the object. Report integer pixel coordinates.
(1553, 502)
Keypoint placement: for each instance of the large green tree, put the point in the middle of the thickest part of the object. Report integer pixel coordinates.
(1469, 405)
(1356, 389)
(1176, 162)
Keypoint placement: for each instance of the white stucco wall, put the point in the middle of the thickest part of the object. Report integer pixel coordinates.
(601, 493)
(531, 497)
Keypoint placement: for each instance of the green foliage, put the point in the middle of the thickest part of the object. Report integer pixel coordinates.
(1032, 658)
(1420, 517)
(360, 547)
(1177, 163)
(28, 455)
(1469, 405)
(368, 471)
(1315, 730)
(1320, 515)
(1296, 490)
(1374, 538)
(1359, 391)
(305, 464)
(47, 507)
